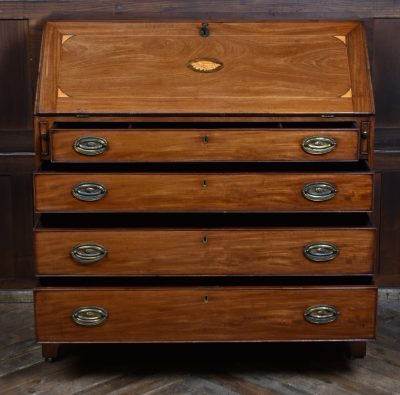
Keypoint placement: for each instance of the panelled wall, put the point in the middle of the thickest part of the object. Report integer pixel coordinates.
(16, 150)
(386, 76)
(20, 32)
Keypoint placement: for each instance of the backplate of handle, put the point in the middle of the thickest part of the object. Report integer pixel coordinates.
(321, 314)
(88, 253)
(321, 252)
(89, 191)
(319, 191)
(318, 145)
(90, 145)
(89, 315)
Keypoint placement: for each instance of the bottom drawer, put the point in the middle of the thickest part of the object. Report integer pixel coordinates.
(205, 314)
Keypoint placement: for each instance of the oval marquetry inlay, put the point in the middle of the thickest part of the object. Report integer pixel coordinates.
(205, 65)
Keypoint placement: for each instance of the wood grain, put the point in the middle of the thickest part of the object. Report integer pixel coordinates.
(203, 145)
(204, 192)
(212, 369)
(147, 73)
(15, 93)
(180, 314)
(16, 207)
(389, 247)
(205, 252)
(386, 77)
(359, 71)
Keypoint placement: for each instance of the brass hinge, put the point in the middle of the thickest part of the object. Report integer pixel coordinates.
(365, 138)
(44, 139)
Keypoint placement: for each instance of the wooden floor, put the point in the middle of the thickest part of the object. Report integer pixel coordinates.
(249, 369)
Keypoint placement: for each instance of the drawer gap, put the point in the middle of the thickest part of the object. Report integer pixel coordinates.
(206, 220)
(215, 167)
(203, 125)
(237, 281)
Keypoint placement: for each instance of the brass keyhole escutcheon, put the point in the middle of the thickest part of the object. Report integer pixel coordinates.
(205, 184)
(205, 299)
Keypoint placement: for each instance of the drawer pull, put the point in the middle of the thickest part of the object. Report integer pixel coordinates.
(89, 191)
(90, 146)
(321, 314)
(89, 315)
(321, 252)
(318, 145)
(319, 191)
(88, 253)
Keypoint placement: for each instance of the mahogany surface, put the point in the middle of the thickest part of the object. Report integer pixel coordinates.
(268, 68)
(204, 145)
(167, 96)
(204, 314)
(203, 252)
(204, 192)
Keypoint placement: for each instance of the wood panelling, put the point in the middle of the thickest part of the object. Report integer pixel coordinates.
(16, 205)
(16, 142)
(389, 264)
(386, 73)
(7, 254)
(305, 9)
(15, 92)
(386, 78)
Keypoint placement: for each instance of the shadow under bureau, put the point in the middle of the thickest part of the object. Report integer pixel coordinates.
(204, 182)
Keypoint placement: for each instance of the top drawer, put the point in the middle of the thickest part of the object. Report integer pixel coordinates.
(199, 145)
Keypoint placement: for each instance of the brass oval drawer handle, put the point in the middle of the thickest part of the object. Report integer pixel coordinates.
(321, 252)
(318, 145)
(321, 314)
(88, 253)
(89, 191)
(90, 145)
(89, 315)
(319, 191)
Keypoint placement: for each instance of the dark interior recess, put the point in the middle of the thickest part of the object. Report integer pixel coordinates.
(209, 282)
(200, 167)
(205, 125)
(206, 220)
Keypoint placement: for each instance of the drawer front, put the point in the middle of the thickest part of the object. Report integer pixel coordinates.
(203, 145)
(204, 314)
(205, 252)
(202, 192)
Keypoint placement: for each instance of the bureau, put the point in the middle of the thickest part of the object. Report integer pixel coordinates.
(204, 182)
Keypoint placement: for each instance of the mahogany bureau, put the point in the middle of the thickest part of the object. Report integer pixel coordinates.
(204, 182)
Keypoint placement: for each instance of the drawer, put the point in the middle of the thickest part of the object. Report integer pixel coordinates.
(203, 192)
(209, 314)
(203, 145)
(202, 252)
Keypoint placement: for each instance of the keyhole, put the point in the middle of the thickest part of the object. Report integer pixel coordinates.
(205, 239)
(204, 183)
(205, 299)
(205, 139)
